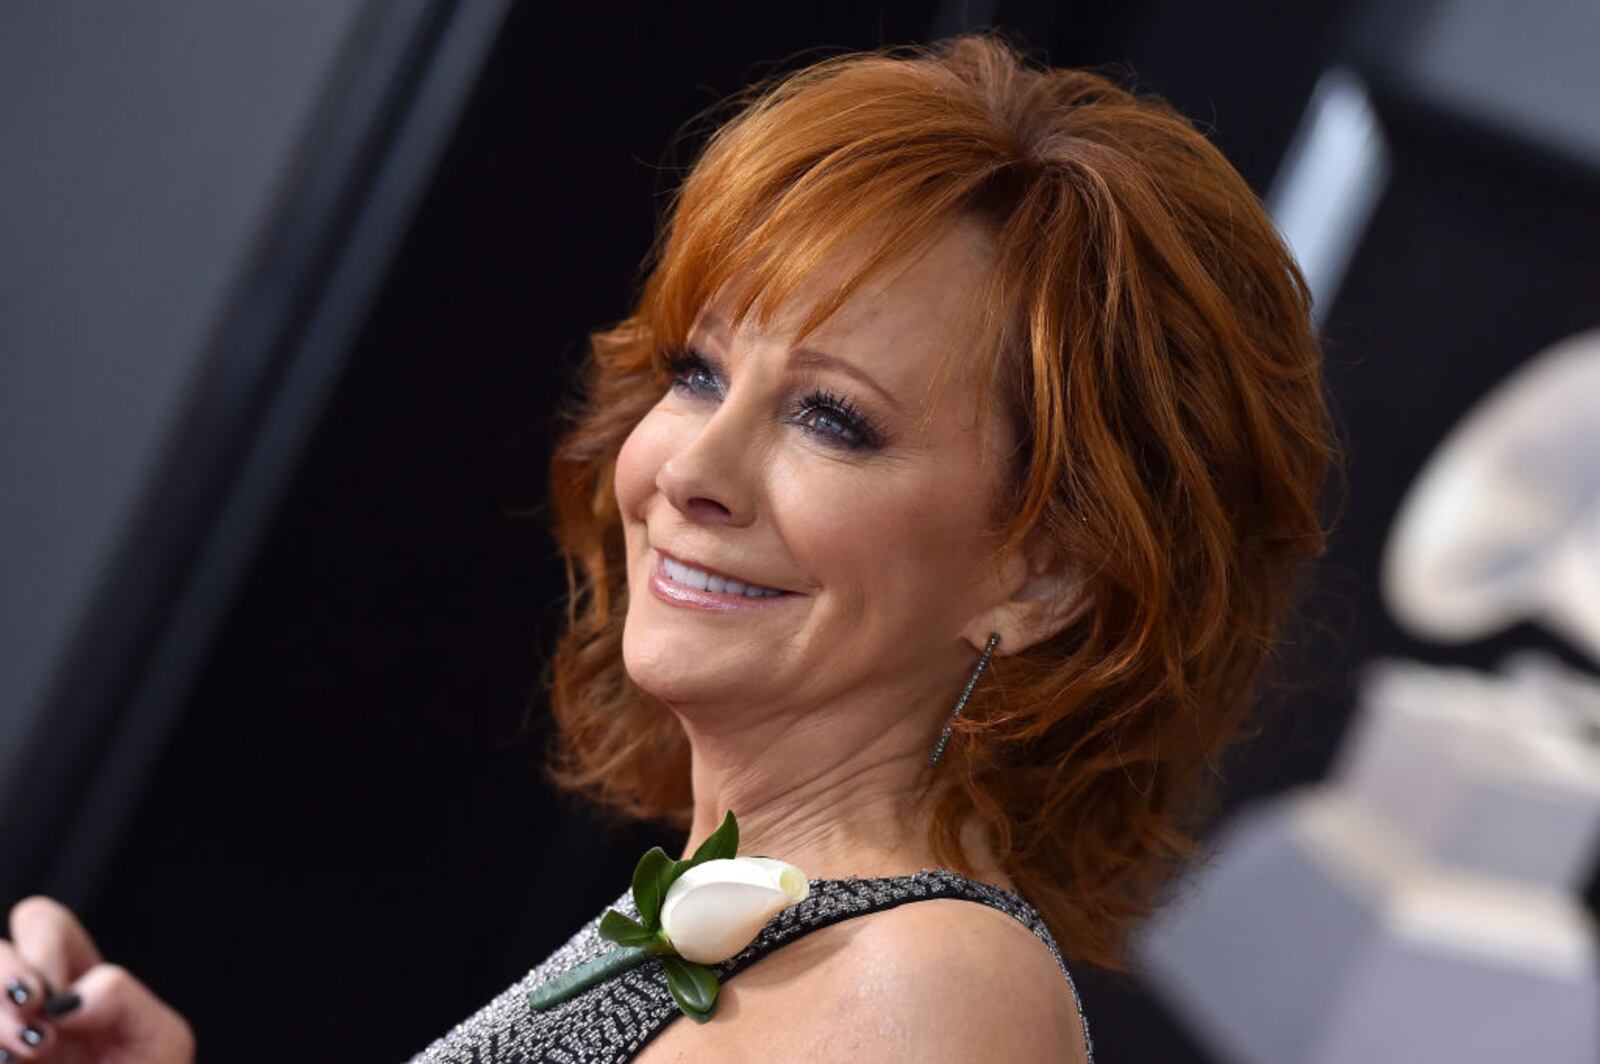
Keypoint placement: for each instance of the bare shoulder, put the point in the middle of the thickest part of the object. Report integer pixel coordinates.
(982, 984)
(938, 980)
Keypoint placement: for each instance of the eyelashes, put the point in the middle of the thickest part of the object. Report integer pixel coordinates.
(820, 412)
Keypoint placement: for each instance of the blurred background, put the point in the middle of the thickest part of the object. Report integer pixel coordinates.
(290, 292)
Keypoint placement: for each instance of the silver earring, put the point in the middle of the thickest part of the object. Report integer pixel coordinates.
(961, 703)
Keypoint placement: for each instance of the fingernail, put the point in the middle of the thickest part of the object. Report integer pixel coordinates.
(17, 991)
(61, 1004)
(31, 1035)
(6, 1056)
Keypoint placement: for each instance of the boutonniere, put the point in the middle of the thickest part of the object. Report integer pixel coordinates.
(691, 914)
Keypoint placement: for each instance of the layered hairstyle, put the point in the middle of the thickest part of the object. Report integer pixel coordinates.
(1150, 336)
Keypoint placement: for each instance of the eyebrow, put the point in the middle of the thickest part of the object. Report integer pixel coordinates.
(811, 358)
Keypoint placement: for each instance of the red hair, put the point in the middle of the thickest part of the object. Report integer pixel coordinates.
(1150, 336)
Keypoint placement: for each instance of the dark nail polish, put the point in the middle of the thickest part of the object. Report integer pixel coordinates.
(17, 991)
(7, 1057)
(32, 1035)
(61, 1004)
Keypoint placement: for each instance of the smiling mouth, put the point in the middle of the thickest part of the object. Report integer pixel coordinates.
(712, 582)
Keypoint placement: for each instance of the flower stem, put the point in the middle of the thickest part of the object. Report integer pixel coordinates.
(571, 983)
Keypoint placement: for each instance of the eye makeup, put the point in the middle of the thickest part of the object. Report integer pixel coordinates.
(820, 412)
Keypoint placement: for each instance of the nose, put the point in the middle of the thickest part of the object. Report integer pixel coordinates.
(708, 479)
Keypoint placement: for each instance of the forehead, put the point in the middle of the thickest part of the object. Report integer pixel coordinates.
(908, 323)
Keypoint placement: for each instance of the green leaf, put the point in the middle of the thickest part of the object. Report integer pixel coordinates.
(623, 930)
(678, 868)
(721, 843)
(650, 884)
(693, 986)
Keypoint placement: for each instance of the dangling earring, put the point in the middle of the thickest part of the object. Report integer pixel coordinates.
(966, 693)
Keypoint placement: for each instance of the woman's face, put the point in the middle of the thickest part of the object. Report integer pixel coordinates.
(846, 474)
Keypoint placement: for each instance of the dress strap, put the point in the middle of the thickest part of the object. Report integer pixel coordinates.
(833, 900)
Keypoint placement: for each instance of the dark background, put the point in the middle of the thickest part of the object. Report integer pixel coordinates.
(348, 845)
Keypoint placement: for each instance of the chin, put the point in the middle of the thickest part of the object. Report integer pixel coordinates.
(678, 690)
(664, 665)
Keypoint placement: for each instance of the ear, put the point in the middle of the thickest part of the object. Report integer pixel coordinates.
(1041, 590)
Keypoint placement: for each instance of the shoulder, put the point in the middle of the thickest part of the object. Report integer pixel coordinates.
(938, 980)
(978, 982)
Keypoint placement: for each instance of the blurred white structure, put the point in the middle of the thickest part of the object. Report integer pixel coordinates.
(1503, 525)
(1421, 904)
(1329, 184)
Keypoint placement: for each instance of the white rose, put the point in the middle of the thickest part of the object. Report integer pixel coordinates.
(717, 907)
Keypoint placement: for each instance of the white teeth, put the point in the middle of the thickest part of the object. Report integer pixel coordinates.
(701, 580)
(682, 574)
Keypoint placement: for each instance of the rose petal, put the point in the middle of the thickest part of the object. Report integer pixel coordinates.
(716, 908)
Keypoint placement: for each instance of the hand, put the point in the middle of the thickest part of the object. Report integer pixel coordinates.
(115, 1020)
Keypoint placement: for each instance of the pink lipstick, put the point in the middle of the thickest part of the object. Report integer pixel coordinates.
(670, 591)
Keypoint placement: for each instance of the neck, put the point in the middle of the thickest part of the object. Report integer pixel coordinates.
(851, 797)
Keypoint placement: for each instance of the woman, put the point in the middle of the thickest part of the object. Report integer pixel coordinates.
(935, 510)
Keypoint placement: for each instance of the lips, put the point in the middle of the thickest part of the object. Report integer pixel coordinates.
(713, 580)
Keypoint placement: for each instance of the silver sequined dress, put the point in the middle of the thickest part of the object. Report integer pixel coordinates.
(611, 1022)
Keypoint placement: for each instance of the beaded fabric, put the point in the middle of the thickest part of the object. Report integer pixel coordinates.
(609, 1023)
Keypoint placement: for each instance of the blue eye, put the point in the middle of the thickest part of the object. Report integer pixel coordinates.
(820, 413)
(689, 371)
(836, 417)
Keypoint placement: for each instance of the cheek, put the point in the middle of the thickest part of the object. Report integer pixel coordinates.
(638, 462)
(901, 544)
